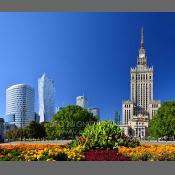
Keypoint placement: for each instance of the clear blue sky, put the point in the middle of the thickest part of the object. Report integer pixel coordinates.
(88, 53)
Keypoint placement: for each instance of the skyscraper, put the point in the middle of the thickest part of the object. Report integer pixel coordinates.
(46, 92)
(82, 101)
(140, 109)
(20, 105)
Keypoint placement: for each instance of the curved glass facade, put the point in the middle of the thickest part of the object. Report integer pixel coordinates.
(20, 104)
(46, 91)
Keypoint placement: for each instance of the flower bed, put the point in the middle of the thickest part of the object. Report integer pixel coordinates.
(105, 155)
(34, 152)
(150, 152)
(46, 152)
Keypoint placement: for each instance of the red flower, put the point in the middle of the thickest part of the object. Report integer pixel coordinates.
(105, 155)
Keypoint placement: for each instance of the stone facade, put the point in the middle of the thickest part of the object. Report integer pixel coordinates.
(140, 109)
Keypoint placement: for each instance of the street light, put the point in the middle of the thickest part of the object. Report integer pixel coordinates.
(22, 115)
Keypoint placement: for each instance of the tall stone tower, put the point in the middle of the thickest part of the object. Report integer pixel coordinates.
(141, 103)
(141, 82)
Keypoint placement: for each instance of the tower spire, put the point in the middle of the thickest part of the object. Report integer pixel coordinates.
(142, 38)
(142, 56)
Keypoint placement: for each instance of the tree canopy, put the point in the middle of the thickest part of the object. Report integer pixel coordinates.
(36, 130)
(70, 121)
(33, 130)
(163, 123)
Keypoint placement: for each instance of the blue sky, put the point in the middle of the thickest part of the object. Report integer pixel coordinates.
(88, 53)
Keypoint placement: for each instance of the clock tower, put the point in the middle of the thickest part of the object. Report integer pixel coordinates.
(141, 107)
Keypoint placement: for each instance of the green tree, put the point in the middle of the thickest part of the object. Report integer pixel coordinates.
(12, 134)
(43, 130)
(71, 120)
(53, 130)
(9, 135)
(163, 123)
(35, 130)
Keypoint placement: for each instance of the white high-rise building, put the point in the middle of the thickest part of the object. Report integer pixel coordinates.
(82, 101)
(20, 105)
(141, 107)
(46, 92)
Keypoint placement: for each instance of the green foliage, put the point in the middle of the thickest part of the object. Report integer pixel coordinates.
(100, 135)
(69, 122)
(163, 123)
(145, 157)
(105, 135)
(53, 130)
(12, 134)
(36, 130)
(73, 144)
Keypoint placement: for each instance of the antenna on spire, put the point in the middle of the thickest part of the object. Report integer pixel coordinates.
(142, 38)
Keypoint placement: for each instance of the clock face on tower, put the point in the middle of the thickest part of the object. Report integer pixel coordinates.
(142, 55)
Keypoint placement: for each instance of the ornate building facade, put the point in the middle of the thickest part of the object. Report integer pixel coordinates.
(140, 109)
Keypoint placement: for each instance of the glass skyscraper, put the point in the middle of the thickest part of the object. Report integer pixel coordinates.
(19, 105)
(46, 91)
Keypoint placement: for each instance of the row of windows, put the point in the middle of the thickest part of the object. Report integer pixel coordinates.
(140, 123)
(127, 116)
(139, 132)
(142, 77)
(127, 106)
(155, 105)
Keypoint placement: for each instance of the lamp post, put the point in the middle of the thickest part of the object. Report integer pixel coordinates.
(22, 115)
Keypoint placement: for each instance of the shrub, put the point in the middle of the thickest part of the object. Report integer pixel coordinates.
(127, 141)
(105, 155)
(105, 135)
(73, 144)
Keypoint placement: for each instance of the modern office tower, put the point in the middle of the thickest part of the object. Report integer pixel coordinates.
(82, 101)
(141, 108)
(20, 105)
(46, 92)
(95, 111)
